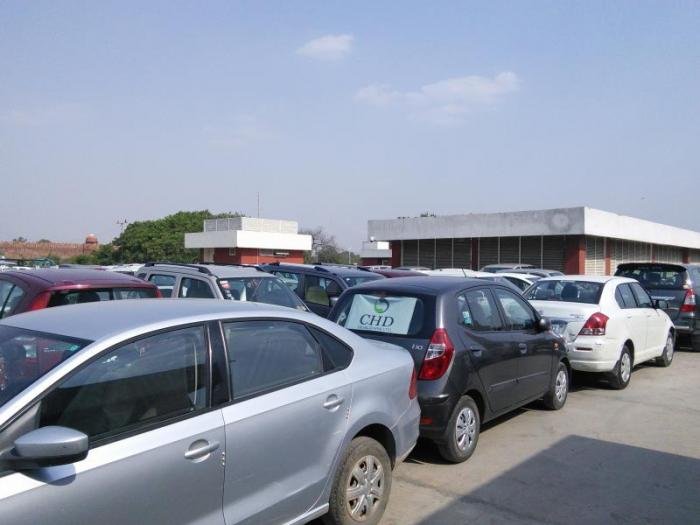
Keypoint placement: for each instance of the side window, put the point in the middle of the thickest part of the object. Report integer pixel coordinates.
(624, 297)
(479, 311)
(195, 289)
(336, 355)
(518, 282)
(319, 290)
(66, 297)
(268, 355)
(643, 299)
(292, 280)
(165, 283)
(10, 297)
(518, 314)
(143, 382)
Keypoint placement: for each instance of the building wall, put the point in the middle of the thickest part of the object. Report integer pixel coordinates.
(36, 250)
(253, 256)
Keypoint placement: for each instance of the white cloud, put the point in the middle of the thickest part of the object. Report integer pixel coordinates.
(328, 47)
(446, 101)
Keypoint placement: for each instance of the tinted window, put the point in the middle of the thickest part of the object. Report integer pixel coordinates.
(260, 290)
(355, 280)
(337, 355)
(10, 297)
(519, 315)
(565, 291)
(382, 313)
(656, 276)
(149, 380)
(643, 299)
(267, 355)
(478, 310)
(624, 297)
(518, 282)
(319, 290)
(165, 283)
(25, 356)
(195, 289)
(292, 280)
(66, 297)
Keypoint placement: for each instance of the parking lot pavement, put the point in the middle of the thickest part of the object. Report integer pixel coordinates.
(630, 456)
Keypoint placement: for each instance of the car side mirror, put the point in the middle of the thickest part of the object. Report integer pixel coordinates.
(661, 304)
(544, 324)
(47, 447)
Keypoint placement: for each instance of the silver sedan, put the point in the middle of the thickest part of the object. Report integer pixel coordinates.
(197, 412)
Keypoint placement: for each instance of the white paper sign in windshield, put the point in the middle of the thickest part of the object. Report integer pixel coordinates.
(391, 315)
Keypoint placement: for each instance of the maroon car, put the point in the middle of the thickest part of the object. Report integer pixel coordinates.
(27, 290)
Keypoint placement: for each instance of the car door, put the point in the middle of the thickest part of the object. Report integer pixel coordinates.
(191, 288)
(655, 323)
(489, 346)
(633, 317)
(155, 443)
(535, 347)
(318, 292)
(286, 422)
(165, 283)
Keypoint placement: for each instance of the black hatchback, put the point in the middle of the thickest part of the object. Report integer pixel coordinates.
(479, 348)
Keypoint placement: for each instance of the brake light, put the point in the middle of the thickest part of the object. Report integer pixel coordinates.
(438, 357)
(595, 325)
(40, 302)
(688, 302)
(413, 389)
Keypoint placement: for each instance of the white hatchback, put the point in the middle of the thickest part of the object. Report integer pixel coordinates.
(610, 324)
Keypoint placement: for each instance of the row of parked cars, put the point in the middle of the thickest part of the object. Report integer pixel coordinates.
(248, 408)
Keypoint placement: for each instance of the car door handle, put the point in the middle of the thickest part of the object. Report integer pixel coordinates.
(332, 402)
(200, 449)
(523, 348)
(476, 351)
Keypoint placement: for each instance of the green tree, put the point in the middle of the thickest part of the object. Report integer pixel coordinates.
(325, 249)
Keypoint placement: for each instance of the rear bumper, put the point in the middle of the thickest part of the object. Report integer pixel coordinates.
(593, 354)
(435, 414)
(405, 432)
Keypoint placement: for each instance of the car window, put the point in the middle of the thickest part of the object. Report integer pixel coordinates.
(336, 355)
(269, 290)
(268, 355)
(194, 289)
(518, 282)
(565, 291)
(656, 276)
(10, 297)
(165, 283)
(319, 290)
(66, 297)
(394, 315)
(135, 385)
(519, 316)
(478, 311)
(624, 297)
(643, 299)
(291, 279)
(354, 280)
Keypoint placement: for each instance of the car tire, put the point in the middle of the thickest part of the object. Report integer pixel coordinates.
(366, 468)
(622, 373)
(666, 358)
(555, 398)
(462, 432)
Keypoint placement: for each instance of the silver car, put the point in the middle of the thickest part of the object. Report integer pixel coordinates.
(197, 412)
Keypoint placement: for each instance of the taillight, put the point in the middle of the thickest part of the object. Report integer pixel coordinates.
(438, 357)
(40, 302)
(688, 302)
(595, 325)
(413, 389)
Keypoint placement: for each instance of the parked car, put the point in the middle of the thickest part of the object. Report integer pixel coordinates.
(392, 273)
(412, 268)
(679, 286)
(126, 269)
(522, 280)
(319, 285)
(184, 412)
(210, 281)
(610, 324)
(472, 274)
(540, 272)
(494, 268)
(26, 290)
(480, 350)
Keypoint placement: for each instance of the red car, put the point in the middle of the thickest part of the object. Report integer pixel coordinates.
(24, 291)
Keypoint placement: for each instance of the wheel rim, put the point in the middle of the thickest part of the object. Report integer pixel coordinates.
(561, 385)
(465, 428)
(625, 367)
(365, 488)
(669, 348)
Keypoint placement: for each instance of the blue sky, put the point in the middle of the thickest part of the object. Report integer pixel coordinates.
(338, 112)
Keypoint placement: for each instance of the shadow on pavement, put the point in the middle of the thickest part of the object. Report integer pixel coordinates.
(583, 480)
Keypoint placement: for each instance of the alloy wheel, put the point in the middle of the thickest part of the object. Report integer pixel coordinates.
(465, 428)
(561, 385)
(669, 348)
(625, 367)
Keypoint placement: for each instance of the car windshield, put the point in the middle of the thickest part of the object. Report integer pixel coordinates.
(656, 276)
(565, 291)
(26, 355)
(382, 313)
(355, 280)
(268, 290)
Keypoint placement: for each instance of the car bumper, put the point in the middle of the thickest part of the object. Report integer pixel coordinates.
(406, 432)
(435, 414)
(593, 354)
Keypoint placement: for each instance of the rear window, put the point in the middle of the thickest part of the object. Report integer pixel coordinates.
(400, 315)
(565, 291)
(656, 276)
(268, 290)
(354, 281)
(66, 297)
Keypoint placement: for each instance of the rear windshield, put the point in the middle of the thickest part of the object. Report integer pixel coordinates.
(94, 295)
(354, 281)
(26, 355)
(565, 291)
(400, 315)
(656, 276)
(269, 290)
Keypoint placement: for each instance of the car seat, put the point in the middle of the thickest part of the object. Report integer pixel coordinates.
(317, 295)
(569, 292)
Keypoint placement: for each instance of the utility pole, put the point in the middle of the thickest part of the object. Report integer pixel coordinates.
(258, 205)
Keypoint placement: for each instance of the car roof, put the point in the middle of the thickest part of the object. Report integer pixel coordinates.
(340, 271)
(75, 277)
(587, 278)
(112, 317)
(431, 285)
(662, 264)
(220, 271)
